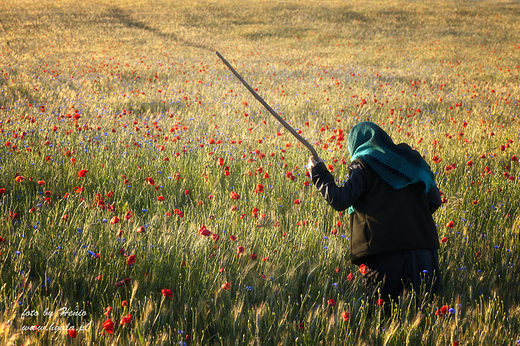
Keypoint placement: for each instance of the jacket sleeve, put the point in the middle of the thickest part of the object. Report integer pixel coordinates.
(434, 197)
(340, 198)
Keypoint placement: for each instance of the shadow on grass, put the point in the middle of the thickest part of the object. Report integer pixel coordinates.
(119, 16)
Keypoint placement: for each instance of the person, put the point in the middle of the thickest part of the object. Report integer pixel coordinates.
(391, 196)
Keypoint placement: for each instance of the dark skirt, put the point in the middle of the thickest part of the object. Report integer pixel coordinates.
(390, 275)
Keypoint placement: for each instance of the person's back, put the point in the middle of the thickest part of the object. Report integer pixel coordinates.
(386, 219)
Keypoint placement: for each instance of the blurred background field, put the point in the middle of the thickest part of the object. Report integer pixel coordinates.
(137, 173)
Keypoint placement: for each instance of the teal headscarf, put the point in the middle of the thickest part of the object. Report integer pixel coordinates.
(398, 165)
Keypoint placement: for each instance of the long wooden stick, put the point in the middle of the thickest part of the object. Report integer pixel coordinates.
(278, 117)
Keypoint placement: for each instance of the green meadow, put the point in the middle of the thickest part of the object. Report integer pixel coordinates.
(146, 198)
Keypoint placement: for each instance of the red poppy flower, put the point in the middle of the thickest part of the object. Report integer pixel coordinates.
(124, 303)
(232, 237)
(450, 224)
(150, 181)
(82, 173)
(259, 189)
(41, 182)
(380, 302)
(72, 333)
(130, 259)
(167, 292)
(363, 269)
(331, 302)
(2, 190)
(226, 286)
(128, 215)
(345, 316)
(215, 237)
(107, 310)
(19, 178)
(350, 277)
(240, 249)
(297, 201)
(160, 198)
(186, 192)
(126, 319)
(114, 220)
(253, 256)
(108, 326)
(204, 231)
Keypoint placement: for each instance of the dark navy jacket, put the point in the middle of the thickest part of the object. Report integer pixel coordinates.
(385, 219)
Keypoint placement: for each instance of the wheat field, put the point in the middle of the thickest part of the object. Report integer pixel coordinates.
(146, 198)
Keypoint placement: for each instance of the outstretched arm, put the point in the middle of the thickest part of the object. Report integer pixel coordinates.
(340, 198)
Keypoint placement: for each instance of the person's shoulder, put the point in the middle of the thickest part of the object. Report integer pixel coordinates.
(357, 164)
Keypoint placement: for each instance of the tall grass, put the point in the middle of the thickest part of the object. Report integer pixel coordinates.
(130, 91)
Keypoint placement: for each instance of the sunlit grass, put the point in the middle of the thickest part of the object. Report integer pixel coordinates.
(133, 90)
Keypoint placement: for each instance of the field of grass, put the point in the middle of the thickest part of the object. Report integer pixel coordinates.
(142, 186)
